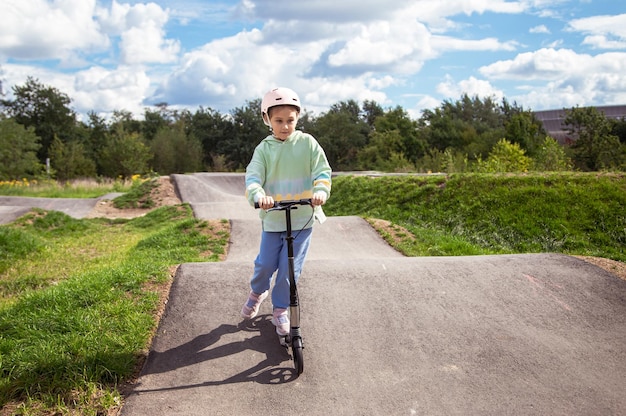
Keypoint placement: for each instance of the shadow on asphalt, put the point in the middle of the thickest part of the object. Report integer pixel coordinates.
(528, 334)
(203, 348)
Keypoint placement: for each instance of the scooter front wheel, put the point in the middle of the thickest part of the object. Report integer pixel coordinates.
(298, 359)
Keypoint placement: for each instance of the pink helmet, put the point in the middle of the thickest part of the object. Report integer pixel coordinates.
(278, 96)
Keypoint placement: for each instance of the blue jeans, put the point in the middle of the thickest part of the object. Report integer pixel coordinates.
(272, 257)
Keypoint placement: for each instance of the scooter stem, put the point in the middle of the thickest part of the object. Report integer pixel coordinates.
(294, 309)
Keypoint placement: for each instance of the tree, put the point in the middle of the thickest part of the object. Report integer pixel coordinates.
(469, 125)
(523, 128)
(412, 146)
(212, 129)
(18, 151)
(449, 161)
(306, 122)
(505, 157)
(618, 128)
(95, 136)
(153, 121)
(174, 151)
(69, 160)
(45, 109)
(551, 157)
(124, 155)
(248, 130)
(342, 132)
(371, 111)
(384, 153)
(124, 120)
(595, 147)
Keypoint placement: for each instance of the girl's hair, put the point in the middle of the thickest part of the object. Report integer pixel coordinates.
(271, 109)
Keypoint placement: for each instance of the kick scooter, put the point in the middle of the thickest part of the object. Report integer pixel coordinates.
(294, 339)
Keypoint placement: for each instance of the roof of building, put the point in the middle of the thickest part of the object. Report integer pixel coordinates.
(553, 119)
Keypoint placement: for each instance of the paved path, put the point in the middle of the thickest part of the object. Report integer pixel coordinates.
(12, 207)
(384, 334)
(541, 334)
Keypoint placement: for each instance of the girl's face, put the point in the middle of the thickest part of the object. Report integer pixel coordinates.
(283, 120)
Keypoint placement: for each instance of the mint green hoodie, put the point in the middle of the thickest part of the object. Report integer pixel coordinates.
(290, 170)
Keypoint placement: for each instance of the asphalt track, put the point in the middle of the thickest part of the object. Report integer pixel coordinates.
(12, 207)
(533, 334)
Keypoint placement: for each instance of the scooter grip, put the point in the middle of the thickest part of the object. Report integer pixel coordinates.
(257, 206)
(306, 201)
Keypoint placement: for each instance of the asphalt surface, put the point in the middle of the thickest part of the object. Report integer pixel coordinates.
(535, 334)
(13, 207)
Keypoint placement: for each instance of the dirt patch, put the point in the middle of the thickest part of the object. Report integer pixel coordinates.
(163, 194)
(612, 266)
(393, 234)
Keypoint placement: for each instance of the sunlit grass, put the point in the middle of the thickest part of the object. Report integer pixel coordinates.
(79, 298)
(572, 213)
(62, 257)
(78, 308)
(79, 188)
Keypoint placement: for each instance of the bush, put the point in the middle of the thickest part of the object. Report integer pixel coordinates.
(505, 157)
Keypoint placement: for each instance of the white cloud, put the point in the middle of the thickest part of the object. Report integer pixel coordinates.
(546, 64)
(604, 32)
(551, 97)
(471, 86)
(450, 44)
(555, 44)
(141, 30)
(539, 29)
(322, 52)
(37, 29)
(381, 83)
(570, 78)
(104, 90)
(328, 51)
(322, 93)
(604, 42)
(65, 30)
(425, 102)
(232, 70)
(229, 71)
(95, 89)
(434, 10)
(295, 33)
(383, 43)
(146, 45)
(320, 10)
(435, 13)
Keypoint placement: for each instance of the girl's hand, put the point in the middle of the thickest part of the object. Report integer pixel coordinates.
(319, 198)
(266, 202)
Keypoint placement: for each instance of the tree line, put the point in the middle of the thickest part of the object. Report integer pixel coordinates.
(41, 135)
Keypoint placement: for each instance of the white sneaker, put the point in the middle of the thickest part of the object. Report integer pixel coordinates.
(280, 319)
(252, 305)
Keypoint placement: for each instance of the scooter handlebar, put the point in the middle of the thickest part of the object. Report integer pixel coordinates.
(287, 203)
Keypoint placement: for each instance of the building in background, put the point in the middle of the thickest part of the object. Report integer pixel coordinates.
(553, 120)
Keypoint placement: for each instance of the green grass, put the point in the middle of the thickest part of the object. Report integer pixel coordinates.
(87, 188)
(467, 214)
(137, 197)
(79, 299)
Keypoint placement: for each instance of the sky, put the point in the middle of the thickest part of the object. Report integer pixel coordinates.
(131, 55)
